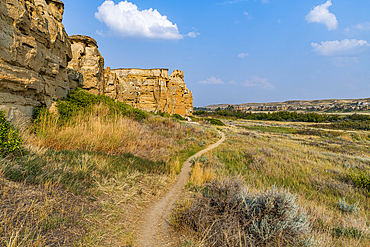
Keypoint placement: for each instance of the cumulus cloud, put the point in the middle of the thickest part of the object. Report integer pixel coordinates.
(321, 14)
(212, 80)
(361, 27)
(337, 48)
(243, 55)
(126, 20)
(258, 82)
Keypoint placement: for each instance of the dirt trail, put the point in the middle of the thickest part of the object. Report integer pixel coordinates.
(155, 229)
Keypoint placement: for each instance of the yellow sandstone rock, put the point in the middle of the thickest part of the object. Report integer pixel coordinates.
(34, 52)
(150, 89)
(87, 61)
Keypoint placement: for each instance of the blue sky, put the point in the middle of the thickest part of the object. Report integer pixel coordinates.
(237, 51)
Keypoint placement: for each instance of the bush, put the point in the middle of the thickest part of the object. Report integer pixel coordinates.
(80, 100)
(10, 142)
(347, 232)
(361, 180)
(225, 215)
(178, 116)
(215, 121)
(351, 208)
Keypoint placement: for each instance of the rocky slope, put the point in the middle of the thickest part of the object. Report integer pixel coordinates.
(34, 53)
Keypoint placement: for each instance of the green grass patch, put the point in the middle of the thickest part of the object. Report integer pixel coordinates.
(10, 141)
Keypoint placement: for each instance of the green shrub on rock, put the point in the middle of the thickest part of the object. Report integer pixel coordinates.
(10, 141)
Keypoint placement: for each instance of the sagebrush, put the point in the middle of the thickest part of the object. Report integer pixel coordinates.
(225, 214)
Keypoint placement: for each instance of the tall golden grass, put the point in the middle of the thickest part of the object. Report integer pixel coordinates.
(99, 131)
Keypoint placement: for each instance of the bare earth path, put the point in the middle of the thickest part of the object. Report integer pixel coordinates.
(155, 229)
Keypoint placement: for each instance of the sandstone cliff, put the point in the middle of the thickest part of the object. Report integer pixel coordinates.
(34, 52)
(150, 90)
(147, 89)
(87, 61)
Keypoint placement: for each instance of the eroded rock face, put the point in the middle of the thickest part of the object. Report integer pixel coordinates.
(34, 52)
(87, 61)
(150, 90)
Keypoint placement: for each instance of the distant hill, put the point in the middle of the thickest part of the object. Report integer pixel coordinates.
(328, 105)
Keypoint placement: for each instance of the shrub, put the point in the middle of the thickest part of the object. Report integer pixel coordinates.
(215, 121)
(178, 116)
(351, 208)
(351, 232)
(10, 142)
(361, 180)
(80, 100)
(225, 215)
(202, 143)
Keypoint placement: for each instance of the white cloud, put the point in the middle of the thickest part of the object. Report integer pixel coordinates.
(212, 80)
(361, 27)
(193, 34)
(127, 21)
(243, 55)
(246, 13)
(321, 14)
(345, 61)
(344, 47)
(259, 82)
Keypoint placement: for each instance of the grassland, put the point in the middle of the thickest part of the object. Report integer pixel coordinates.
(316, 164)
(85, 176)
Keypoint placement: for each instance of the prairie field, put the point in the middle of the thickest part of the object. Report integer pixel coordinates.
(327, 171)
(84, 177)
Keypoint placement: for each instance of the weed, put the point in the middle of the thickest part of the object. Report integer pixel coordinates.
(350, 208)
(350, 232)
(361, 180)
(202, 143)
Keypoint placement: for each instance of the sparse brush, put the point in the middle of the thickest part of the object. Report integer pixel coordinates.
(350, 208)
(226, 215)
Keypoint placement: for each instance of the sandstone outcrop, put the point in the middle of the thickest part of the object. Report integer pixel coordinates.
(150, 90)
(34, 52)
(86, 59)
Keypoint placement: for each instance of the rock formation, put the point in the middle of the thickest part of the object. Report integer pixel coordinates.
(34, 52)
(39, 64)
(150, 90)
(87, 61)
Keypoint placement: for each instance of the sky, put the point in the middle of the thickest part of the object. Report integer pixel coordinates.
(237, 51)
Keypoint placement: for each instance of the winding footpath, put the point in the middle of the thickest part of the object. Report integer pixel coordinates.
(155, 227)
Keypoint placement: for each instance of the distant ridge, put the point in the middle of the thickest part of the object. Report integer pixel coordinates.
(302, 105)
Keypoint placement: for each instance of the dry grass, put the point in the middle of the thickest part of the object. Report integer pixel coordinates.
(315, 167)
(154, 139)
(115, 164)
(40, 215)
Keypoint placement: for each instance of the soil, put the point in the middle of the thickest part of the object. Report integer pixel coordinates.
(156, 229)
